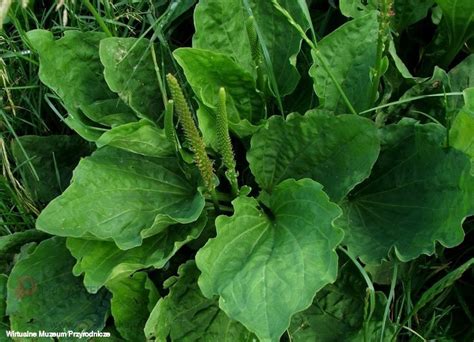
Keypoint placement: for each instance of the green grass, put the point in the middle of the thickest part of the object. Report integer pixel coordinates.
(26, 105)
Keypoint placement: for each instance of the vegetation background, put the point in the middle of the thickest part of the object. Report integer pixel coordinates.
(28, 107)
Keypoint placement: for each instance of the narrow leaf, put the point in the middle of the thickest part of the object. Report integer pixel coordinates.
(281, 40)
(445, 282)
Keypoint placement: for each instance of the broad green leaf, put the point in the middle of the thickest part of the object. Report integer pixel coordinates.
(461, 77)
(102, 262)
(129, 304)
(337, 151)
(268, 264)
(221, 27)
(71, 52)
(71, 67)
(338, 312)
(350, 53)
(83, 126)
(138, 196)
(409, 12)
(207, 125)
(458, 19)
(142, 137)
(44, 295)
(207, 71)
(186, 315)
(9, 243)
(25, 251)
(53, 158)
(281, 39)
(130, 72)
(357, 8)
(110, 112)
(461, 134)
(416, 183)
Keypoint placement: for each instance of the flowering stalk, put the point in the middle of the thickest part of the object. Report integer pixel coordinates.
(256, 53)
(253, 39)
(224, 143)
(192, 136)
(385, 14)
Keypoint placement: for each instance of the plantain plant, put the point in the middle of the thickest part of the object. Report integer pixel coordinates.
(254, 191)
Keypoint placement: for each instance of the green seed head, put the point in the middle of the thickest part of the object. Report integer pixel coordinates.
(253, 39)
(224, 143)
(223, 138)
(191, 133)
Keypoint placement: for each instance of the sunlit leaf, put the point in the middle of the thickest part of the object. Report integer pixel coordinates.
(103, 261)
(139, 196)
(337, 151)
(130, 72)
(350, 53)
(283, 254)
